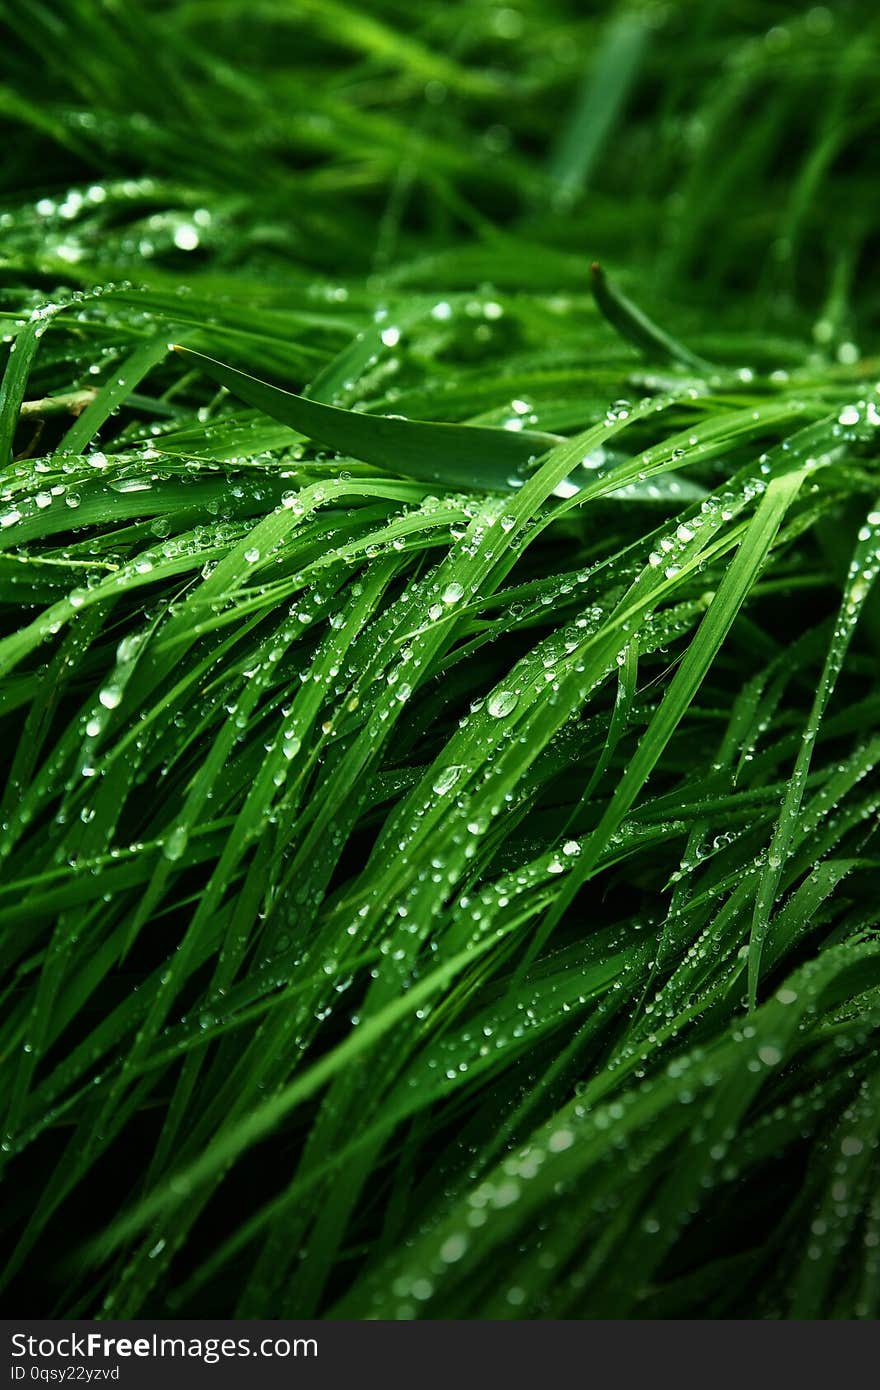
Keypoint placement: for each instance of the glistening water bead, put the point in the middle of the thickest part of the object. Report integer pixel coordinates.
(501, 703)
(447, 778)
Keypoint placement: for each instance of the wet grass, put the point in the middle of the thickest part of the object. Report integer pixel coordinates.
(439, 700)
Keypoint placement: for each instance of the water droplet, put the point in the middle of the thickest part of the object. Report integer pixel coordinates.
(174, 844)
(453, 1249)
(447, 778)
(502, 703)
(290, 745)
(186, 238)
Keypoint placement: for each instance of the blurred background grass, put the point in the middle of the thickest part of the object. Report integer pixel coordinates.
(723, 151)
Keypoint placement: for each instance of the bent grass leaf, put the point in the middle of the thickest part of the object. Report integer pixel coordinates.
(450, 455)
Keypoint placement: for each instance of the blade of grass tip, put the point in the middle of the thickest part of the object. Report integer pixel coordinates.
(862, 573)
(722, 611)
(626, 689)
(635, 326)
(471, 456)
(599, 103)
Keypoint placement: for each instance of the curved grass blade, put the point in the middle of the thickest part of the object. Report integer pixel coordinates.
(635, 326)
(114, 392)
(449, 455)
(12, 388)
(731, 594)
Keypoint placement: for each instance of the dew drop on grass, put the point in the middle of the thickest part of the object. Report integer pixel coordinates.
(186, 238)
(453, 1249)
(566, 489)
(174, 845)
(110, 696)
(129, 647)
(131, 485)
(452, 593)
(447, 778)
(502, 703)
(505, 1194)
(290, 746)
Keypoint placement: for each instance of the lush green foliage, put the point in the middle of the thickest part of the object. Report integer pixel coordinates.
(440, 864)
